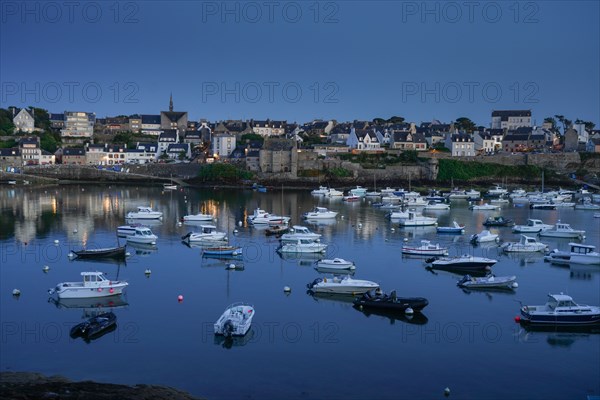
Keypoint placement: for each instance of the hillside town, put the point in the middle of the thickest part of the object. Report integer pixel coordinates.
(33, 136)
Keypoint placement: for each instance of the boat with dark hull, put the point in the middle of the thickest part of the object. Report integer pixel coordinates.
(391, 302)
(109, 252)
(498, 221)
(463, 263)
(95, 326)
(560, 310)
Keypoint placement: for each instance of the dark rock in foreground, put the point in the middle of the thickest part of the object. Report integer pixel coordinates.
(27, 385)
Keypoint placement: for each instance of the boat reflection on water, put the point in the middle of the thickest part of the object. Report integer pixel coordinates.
(321, 222)
(302, 258)
(234, 341)
(113, 261)
(457, 271)
(415, 319)
(92, 304)
(335, 271)
(558, 336)
(583, 272)
(146, 222)
(142, 249)
(412, 232)
(340, 298)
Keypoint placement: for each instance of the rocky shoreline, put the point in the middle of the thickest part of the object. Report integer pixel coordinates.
(34, 386)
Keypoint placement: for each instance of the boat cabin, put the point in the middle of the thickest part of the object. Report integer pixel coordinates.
(301, 229)
(557, 301)
(143, 232)
(528, 240)
(208, 229)
(144, 209)
(582, 248)
(93, 278)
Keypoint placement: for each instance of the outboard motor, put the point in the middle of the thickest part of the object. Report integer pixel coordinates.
(316, 281)
(228, 328)
(186, 236)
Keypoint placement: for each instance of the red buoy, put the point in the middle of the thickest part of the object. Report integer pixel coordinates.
(517, 319)
(180, 298)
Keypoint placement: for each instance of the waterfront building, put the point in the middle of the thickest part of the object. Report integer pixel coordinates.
(510, 119)
(30, 150)
(363, 139)
(78, 124)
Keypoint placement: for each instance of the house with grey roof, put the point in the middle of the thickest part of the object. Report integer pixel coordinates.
(30, 150)
(408, 141)
(460, 145)
(168, 137)
(151, 124)
(177, 120)
(279, 155)
(363, 140)
(510, 119)
(73, 156)
(177, 151)
(23, 119)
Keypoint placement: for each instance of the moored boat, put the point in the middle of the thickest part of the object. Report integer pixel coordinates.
(560, 310)
(455, 228)
(498, 221)
(126, 230)
(319, 213)
(235, 320)
(200, 217)
(483, 207)
(206, 233)
(562, 230)
(383, 301)
(231, 251)
(578, 254)
(532, 226)
(300, 233)
(302, 246)
(484, 236)
(358, 191)
(93, 284)
(425, 249)
(144, 213)
(488, 282)
(142, 235)
(417, 219)
(261, 217)
(322, 190)
(336, 263)
(94, 326)
(109, 252)
(345, 285)
(527, 244)
(464, 262)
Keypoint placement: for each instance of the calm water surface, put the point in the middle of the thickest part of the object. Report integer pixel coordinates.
(300, 346)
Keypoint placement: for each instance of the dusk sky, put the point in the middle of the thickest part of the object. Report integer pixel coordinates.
(300, 61)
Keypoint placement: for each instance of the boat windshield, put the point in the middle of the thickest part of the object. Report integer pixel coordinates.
(567, 303)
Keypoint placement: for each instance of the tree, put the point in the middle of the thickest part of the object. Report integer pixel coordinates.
(41, 118)
(550, 120)
(6, 125)
(48, 142)
(396, 120)
(589, 125)
(465, 124)
(379, 121)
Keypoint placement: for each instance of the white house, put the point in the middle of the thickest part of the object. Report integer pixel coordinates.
(30, 150)
(167, 138)
(510, 119)
(23, 120)
(142, 153)
(177, 151)
(460, 145)
(222, 145)
(363, 139)
(485, 143)
(151, 125)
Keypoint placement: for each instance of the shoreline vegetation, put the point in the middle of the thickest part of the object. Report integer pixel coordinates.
(34, 386)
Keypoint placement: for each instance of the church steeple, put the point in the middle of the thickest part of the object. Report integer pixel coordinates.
(171, 103)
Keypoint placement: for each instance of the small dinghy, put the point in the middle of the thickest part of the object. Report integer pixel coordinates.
(235, 321)
(484, 236)
(277, 230)
(336, 263)
(488, 282)
(94, 326)
(391, 302)
(455, 228)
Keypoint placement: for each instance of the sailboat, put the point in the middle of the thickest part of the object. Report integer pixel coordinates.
(374, 193)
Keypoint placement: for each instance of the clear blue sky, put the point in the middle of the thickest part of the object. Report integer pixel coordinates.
(299, 61)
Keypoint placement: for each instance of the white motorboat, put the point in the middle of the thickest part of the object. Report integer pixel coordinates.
(436, 206)
(562, 230)
(597, 215)
(169, 186)
(206, 233)
(345, 285)
(319, 213)
(300, 233)
(359, 191)
(415, 219)
(416, 202)
(488, 282)
(472, 194)
(142, 235)
(499, 200)
(321, 191)
(497, 191)
(261, 217)
(126, 230)
(456, 194)
(560, 310)
(517, 193)
(532, 226)
(334, 193)
(390, 206)
(425, 249)
(484, 236)
(579, 254)
(302, 246)
(235, 321)
(144, 213)
(455, 228)
(484, 207)
(94, 284)
(336, 263)
(527, 244)
(200, 217)
(464, 263)
(587, 205)
(388, 191)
